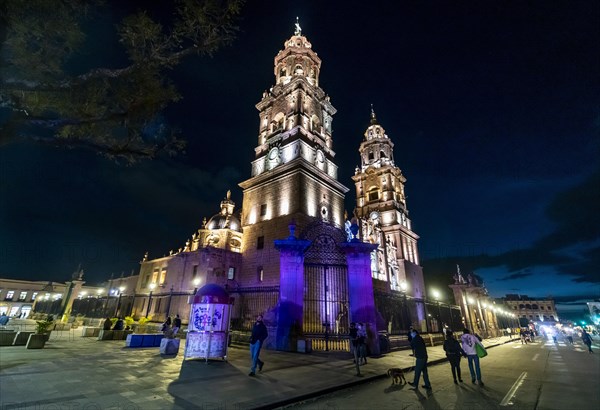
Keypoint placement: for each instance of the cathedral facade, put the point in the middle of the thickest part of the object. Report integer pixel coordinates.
(291, 253)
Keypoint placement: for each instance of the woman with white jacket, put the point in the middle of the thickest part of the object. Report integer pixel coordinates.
(469, 341)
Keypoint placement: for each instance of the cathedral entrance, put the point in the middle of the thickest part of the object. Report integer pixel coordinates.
(326, 308)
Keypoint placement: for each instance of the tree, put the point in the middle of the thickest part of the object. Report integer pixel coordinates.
(115, 111)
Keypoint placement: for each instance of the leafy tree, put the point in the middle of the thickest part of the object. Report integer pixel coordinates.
(115, 111)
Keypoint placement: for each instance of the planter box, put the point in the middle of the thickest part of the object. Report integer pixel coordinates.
(105, 334)
(118, 335)
(7, 338)
(21, 338)
(36, 341)
(62, 326)
(169, 346)
(90, 331)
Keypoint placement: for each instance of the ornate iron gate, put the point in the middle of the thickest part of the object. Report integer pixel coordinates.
(325, 282)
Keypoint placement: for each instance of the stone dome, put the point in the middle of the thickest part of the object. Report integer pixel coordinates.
(225, 219)
(221, 221)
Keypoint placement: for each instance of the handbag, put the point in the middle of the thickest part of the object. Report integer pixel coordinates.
(480, 350)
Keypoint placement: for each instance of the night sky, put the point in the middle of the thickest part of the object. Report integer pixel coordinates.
(493, 108)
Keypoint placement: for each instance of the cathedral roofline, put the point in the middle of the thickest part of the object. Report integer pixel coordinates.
(288, 168)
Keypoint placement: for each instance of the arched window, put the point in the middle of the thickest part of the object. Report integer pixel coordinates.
(527, 306)
(534, 306)
(298, 69)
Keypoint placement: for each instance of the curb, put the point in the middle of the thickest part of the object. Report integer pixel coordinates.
(358, 382)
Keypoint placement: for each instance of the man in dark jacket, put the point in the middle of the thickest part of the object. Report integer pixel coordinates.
(418, 345)
(259, 334)
(107, 324)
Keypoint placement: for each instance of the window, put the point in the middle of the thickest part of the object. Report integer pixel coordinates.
(231, 273)
(9, 295)
(263, 209)
(373, 195)
(260, 242)
(163, 276)
(194, 272)
(22, 295)
(155, 275)
(541, 307)
(260, 274)
(33, 296)
(371, 156)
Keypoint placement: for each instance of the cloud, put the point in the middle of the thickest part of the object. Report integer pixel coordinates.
(572, 248)
(518, 275)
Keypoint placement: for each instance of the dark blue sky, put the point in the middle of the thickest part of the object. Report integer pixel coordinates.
(493, 107)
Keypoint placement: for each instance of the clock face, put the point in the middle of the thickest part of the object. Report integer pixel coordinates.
(320, 156)
(374, 215)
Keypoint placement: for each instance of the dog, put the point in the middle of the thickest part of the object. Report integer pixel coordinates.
(397, 375)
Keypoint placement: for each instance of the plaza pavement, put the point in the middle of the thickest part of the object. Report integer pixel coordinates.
(73, 372)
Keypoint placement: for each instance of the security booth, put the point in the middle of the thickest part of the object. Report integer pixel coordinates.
(208, 328)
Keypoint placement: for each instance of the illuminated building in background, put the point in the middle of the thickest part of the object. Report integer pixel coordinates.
(288, 256)
(383, 214)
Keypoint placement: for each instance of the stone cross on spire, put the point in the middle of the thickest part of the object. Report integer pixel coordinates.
(373, 117)
(298, 31)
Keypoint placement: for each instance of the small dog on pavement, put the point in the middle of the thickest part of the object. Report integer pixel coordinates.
(397, 375)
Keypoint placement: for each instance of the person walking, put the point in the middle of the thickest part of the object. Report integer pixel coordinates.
(418, 345)
(362, 343)
(259, 334)
(468, 345)
(454, 352)
(587, 340)
(353, 336)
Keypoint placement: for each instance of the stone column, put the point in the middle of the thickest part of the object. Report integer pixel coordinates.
(72, 291)
(360, 289)
(291, 290)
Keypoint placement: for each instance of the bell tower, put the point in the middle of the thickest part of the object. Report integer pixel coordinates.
(383, 214)
(293, 174)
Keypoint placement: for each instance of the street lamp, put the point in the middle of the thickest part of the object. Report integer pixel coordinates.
(151, 286)
(436, 295)
(196, 282)
(118, 307)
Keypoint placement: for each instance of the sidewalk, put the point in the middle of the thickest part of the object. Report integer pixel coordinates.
(77, 372)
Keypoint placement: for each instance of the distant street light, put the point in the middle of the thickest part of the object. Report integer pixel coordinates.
(436, 295)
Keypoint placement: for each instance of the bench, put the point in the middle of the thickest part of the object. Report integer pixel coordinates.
(21, 338)
(144, 340)
(7, 337)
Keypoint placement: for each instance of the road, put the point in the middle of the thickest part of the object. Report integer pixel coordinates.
(540, 375)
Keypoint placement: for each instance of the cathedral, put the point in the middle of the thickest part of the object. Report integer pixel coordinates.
(291, 252)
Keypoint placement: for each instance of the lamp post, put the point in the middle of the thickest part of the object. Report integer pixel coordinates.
(436, 296)
(470, 301)
(195, 282)
(169, 303)
(118, 307)
(151, 286)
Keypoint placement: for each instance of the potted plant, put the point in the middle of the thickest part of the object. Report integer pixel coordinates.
(42, 333)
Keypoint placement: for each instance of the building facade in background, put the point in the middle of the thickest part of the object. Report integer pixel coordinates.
(532, 309)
